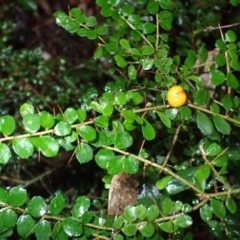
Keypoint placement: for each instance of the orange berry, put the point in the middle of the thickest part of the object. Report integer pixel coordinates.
(176, 96)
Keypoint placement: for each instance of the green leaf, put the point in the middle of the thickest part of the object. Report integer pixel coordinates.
(162, 183)
(123, 140)
(130, 165)
(147, 50)
(168, 227)
(48, 146)
(43, 230)
(26, 108)
(227, 102)
(147, 230)
(115, 166)
(206, 213)
(81, 115)
(166, 4)
(91, 21)
(81, 206)
(46, 119)
(57, 205)
(166, 206)
(58, 233)
(8, 219)
(120, 98)
(103, 157)
(102, 121)
(129, 229)
(141, 212)
(165, 120)
(132, 72)
(153, 7)
(71, 115)
(71, 227)
(231, 205)
(25, 225)
(84, 152)
(125, 44)
(5, 153)
(147, 63)
(7, 125)
(17, 196)
(31, 122)
(23, 147)
(37, 206)
(221, 125)
(213, 150)
(62, 129)
(204, 123)
(165, 20)
(152, 213)
(118, 222)
(148, 130)
(129, 115)
(230, 36)
(183, 221)
(148, 28)
(87, 132)
(232, 81)
(218, 208)
(121, 62)
(217, 77)
(203, 173)
(201, 97)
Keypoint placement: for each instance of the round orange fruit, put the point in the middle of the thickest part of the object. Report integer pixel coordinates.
(176, 96)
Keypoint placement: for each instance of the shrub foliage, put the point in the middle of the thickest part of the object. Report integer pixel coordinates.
(186, 158)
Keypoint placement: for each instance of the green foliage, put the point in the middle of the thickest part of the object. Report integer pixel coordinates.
(188, 155)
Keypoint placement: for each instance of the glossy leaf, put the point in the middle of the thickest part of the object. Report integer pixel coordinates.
(71, 115)
(87, 132)
(103, 157)
(230, 36)
(57, 205)
(231, 205)
(130, 165)
(84, 152)
(132, 72)
(183, 221)
(81, 205)
(148, 130)
(71, 227)
(48, 146)
(102, 121)
(7, 125)
(26, 108)
(8, 219)
(166, 206)
(46, 120)
(162, 183)
(23, 147)
(147, 230)
(217, 77)
(218, 208)
(204, 123)
(140, 211)
(81, 115)
(206, 213)
(221, 125)
(31, 122)
(152, 213)
(43, 230)
(17, 196)
(25, 225)
(123, 140)
(129, 229)
(37, 206)
(213, 150)
(232, 81)
(62, 129)
(165, 120)
(168, 227)
(5, 153)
